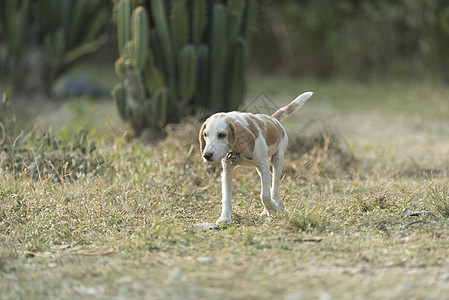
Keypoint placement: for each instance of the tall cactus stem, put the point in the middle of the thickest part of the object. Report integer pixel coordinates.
(161, 100)
(239, 57)
(123, 24)
(187, 66)
(179, 25)
(219, 49)
(120, 68)
(202, 98)
(249, 18)
(119, 96)
(159, 16)
(139, 31)
(198, 20)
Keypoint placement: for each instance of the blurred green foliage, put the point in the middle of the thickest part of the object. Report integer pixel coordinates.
(41, 39)
(362, 39)
(354, 38)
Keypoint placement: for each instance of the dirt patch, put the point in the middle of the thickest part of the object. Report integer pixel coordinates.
(318, 153)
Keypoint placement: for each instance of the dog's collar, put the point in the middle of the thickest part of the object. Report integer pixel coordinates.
(232, 158)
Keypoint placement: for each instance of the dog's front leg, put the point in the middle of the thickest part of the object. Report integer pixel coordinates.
(226, 191)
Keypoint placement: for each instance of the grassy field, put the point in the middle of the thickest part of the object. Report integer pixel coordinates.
(97, 215)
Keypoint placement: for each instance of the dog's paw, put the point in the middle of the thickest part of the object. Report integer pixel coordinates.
(223, 220)
(270, 211)
(265, 213)
(281, 207)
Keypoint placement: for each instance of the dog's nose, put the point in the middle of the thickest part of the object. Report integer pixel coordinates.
(208, 156)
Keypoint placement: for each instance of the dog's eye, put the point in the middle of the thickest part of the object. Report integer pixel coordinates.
(205, 134)
(221, 135)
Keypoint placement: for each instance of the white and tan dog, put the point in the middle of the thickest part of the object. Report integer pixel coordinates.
(238, 138)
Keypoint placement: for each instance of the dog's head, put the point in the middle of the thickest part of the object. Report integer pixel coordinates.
(221, 134)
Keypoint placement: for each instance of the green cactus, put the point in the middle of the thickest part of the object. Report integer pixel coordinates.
(237, 7)
(239, 57)
(154, 78)
(202, 95)
(198, 20)
(191, 56)
(128, 52)
(179, 25)
(219, 51)
(139, 30)
(123, 24)
(151, 114)
(187, 64)
(119, 96)
(161, 102)
(120, 68)
(249, 18)
(161, 25)
(234, 26)
(158, 52)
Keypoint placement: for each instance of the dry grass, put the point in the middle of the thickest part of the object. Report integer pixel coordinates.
(360, 223)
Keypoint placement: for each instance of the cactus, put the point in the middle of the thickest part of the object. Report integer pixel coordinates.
(237, 7)
(219, 51)
(249, 18)
(238, 62)
(199, 20)
(119, 96)
(161, 102)
(153, 76)
(191, 55)
(139, 29)
(120, 68)
(151, 114)
(202, 82)
(179, 25)
(187, 72)
(234, 26)
(161, 24)
(123, 24)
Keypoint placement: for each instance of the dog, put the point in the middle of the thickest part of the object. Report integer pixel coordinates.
(246, 139)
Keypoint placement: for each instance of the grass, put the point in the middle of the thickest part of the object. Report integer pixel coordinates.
(126, 232)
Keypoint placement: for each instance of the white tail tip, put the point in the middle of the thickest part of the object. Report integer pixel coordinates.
(301, 99)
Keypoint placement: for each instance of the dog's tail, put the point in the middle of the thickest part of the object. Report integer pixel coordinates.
(284, 112)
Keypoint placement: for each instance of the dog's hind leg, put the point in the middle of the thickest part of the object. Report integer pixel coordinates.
(277, 161)
(265, 176)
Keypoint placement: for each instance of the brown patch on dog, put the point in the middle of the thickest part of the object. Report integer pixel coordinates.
(230, 131)
(252, 126)
(241, 138)
(273, 132)
(261, 124)
(201, 137)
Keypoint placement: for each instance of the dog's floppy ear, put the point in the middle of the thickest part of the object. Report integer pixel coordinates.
(201, 137)
(241, 139)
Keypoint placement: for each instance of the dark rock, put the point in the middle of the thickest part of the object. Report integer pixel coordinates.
(80, 86)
